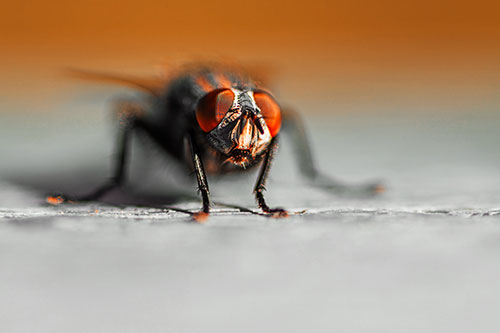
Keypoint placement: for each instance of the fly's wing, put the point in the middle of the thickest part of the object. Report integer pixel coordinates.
(150, 85)
(293, 127)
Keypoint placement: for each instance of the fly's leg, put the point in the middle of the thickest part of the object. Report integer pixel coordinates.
(128, 123)
(294, 127)
(260, 186)
(202, 181)
(120, 164)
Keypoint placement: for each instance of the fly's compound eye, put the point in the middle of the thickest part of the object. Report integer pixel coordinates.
(270, 110)
(213, 107)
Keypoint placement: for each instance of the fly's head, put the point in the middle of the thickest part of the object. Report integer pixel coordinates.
(239, 124)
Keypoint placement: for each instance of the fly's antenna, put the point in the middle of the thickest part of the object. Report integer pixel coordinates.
(150, 85)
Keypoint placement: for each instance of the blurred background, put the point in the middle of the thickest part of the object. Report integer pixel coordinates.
(360, 56)
(402, 91)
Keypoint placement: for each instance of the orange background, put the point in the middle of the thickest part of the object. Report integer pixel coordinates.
(343, 55)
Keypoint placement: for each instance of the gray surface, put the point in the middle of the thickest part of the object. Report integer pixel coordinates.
(422, 257)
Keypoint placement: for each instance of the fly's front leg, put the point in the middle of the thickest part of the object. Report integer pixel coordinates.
(294, 127)
(260, 186)
(202, 181)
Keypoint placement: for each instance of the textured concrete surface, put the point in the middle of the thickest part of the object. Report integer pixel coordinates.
(422, 257)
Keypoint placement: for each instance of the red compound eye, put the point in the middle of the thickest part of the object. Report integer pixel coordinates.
(213, 107)
(270, 111)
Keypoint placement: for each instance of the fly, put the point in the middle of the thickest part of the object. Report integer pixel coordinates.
(227, 122)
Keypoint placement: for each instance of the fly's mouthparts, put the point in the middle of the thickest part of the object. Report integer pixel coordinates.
(241, 153)
(241, 157)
